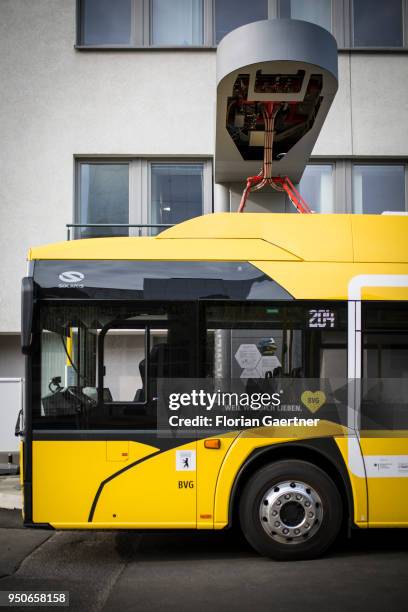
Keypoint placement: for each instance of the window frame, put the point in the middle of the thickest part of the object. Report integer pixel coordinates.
(136, 30)
(207, 183)
(141, 31)
(342, 28)
(272, 14)
(404, 29)
(343, 178)
(140, 186)
(342, 185)
(380, 163)
(148, 27)
(333, 3)
(338, 19)
(336, 198)
(77, 187)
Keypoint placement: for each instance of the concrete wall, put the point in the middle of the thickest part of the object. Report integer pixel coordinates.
(11, 402)
(57, 102)
(11, 358)
(379, 96)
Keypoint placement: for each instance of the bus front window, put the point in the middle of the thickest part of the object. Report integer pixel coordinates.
(68, 368)
(97, 366)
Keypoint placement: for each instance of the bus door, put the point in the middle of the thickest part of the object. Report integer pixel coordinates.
(382, 363)
(128, 386)
(95, 437)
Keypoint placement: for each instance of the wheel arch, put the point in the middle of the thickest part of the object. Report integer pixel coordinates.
(322, 452)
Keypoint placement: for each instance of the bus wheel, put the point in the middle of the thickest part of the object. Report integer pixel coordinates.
(290, 510)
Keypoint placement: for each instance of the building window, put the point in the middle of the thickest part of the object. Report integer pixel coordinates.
(177, 23)
(142, 195)
(176, 192)
(105, 22)
(171, 23)
(190, 23)
(316, 186)
(354, 23)
(377, 24)
(378, 188)
(315, 11)
(339, 186)
(103, 198)
(231, 14)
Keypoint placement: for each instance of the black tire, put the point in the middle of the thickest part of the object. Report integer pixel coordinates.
(255, 496)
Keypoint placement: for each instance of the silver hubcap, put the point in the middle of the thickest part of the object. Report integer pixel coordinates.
(291, 512)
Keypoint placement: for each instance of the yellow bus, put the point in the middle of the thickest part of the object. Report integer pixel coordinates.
(260, 299)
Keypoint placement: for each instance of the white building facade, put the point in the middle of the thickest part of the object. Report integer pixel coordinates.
(107, 116)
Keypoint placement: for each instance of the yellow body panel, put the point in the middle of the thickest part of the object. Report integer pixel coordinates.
(388, 495)
(318, 238)
(378, 238)
(325, 281)
(150, 249)
(312, 257)
(117, 450)
(358, 486)
(148, 495)
(309, 237)
(67, 474)
(385, 293)
(134, 498)
(209, 463)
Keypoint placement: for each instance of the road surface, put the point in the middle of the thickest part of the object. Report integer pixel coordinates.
(123, 571)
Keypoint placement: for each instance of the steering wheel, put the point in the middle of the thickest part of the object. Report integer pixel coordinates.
(84, 400)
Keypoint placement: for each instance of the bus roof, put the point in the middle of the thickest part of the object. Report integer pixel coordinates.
(259, 237)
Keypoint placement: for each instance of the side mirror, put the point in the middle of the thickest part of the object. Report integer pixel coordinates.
(27, 307)
(19, 429)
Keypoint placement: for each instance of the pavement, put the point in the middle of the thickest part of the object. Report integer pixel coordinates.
(124, 571)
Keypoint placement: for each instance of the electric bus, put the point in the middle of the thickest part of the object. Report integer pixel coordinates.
(260, 299)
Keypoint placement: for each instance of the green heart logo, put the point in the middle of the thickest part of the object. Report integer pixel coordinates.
(313, 400)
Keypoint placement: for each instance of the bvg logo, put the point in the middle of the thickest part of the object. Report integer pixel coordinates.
(71, 278)
(313, 400)
(186, 484)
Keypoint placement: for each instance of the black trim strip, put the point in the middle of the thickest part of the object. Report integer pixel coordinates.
(154, 280)
(31, 525)
(27, 313)
(111, 477)
(28, 442)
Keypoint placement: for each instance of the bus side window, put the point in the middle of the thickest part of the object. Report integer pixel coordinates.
(385, 366)
(97, 365)
(124, 362)
(271, 341)
(333, 355)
